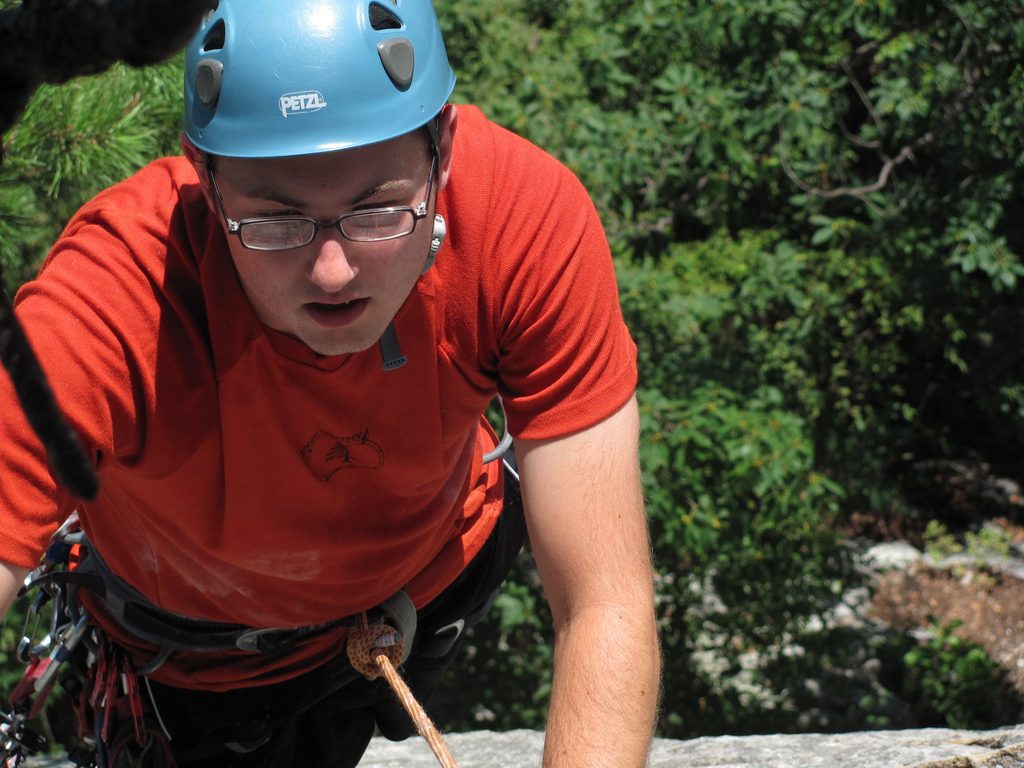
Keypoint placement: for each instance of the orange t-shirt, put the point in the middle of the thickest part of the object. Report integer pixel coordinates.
(245, 479)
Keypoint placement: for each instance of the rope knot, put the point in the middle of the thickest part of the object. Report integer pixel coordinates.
(376, 651)
(368, 642)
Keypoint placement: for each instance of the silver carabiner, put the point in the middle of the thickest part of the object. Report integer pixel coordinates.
(26, 648)
(506, 438)
(68, 639)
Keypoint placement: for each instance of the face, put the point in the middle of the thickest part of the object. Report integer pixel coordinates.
(335, 295)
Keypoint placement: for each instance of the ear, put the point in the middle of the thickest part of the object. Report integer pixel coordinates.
(449, 122)
(199, 161)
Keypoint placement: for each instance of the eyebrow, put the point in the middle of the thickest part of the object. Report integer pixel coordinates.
(277, 196)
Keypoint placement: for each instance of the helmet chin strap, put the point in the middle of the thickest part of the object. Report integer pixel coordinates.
(391, 356)
(390, 350)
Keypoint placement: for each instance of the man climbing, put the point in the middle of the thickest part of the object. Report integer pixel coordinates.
(277, 351)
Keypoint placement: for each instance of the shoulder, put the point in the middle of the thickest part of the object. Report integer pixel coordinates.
(547, 306)
(147, 221)
(125, 257)
(486, 152)
(507, 190)
(147, 199)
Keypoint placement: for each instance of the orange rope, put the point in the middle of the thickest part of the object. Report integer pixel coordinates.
(376, 650)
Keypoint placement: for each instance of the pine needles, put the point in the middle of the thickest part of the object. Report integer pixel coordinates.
(74, 140)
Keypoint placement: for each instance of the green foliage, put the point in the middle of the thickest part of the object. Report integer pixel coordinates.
(730, 489)
(813, 205)
(11, 669)
(990, 542)
(939, 543)
(888, 134)
(740, 515)
(74, 140)
(815, 331)
(953, 683)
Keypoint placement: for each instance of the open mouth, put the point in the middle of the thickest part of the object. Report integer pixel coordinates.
(335, 315)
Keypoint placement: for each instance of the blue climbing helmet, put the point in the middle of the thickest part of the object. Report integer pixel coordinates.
(274, 78)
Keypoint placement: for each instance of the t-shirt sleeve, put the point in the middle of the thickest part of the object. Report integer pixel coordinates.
(69, 343)
(565, 357)
(82, 315)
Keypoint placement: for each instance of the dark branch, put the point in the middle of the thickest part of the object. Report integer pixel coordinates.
(52, 41)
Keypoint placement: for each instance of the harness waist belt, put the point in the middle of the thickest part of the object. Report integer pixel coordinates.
(171, 632)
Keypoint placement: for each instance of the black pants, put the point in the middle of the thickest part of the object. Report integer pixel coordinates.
(327, 716)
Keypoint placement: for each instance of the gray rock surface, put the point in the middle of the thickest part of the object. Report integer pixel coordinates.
(929, 748)
(891, 554)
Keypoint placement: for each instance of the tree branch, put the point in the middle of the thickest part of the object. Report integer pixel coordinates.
(862, 192)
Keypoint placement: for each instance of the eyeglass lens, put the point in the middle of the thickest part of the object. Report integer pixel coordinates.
(367, 227)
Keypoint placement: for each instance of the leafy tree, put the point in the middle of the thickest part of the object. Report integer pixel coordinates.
(813, 208)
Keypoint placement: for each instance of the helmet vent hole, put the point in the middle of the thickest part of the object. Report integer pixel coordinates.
(382, 18)
(214, 39)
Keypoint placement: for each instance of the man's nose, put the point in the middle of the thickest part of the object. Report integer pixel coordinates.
(331, 270)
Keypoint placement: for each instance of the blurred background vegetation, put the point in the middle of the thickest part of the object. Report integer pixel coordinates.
(817, 213)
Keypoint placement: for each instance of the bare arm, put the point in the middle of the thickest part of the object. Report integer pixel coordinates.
(11, 578)
(588, 532)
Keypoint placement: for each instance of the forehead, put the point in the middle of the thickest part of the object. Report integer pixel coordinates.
(404, 157)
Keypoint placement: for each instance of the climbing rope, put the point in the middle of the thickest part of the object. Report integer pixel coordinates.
(376, 651)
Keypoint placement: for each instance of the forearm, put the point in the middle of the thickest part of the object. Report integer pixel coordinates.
(605, 692)
(588, 531)
(11, 579)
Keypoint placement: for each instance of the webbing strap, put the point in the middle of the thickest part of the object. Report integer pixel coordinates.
(172, 632)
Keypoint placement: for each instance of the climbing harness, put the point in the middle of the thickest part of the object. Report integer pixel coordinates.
(117, 723)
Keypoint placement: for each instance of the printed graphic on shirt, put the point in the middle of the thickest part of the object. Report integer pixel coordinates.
(326, 454)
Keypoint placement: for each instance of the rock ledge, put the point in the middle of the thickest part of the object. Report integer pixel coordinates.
(927, 748)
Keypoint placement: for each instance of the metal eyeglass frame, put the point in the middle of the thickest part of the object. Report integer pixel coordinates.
(235, 227)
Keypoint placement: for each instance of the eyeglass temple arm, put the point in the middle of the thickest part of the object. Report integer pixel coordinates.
(233, 226)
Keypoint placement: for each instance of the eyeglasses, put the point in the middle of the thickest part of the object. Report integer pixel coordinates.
(281, 233)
